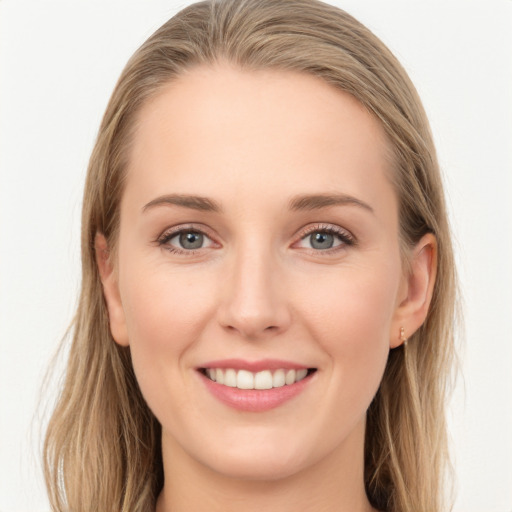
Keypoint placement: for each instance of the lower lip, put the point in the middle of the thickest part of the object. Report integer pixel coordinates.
(255, 400)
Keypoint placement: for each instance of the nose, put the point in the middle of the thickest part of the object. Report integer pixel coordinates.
(254, 303)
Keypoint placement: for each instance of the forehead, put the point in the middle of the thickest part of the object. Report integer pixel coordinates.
(225, 129)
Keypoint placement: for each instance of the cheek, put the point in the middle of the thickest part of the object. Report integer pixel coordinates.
(165, 313)
(351, 317)
(355, 305)
(163, 306)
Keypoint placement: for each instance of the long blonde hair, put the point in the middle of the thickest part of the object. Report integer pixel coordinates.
(102, 448)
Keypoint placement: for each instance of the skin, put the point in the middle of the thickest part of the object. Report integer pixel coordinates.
(258, 288)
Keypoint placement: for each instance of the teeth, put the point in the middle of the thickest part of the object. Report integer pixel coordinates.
(243, 379)
(263, 380)
(290, 377)
(301, 374)
(230, 378)
(278, 379)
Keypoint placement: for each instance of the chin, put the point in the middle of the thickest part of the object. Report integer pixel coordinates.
(263, 460)
(263, 469)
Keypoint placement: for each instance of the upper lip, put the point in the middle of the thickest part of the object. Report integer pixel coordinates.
(254, 366)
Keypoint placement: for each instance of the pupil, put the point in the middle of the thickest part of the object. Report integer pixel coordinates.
(322, 241)
(191, 240)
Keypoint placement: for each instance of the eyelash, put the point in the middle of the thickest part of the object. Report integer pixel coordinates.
(346, 238)
(163, 240)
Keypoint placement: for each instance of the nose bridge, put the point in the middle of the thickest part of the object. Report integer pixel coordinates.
(253, 303)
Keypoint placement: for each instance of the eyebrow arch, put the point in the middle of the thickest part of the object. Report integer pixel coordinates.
(297, 203)
(318, 201)
(186, 201)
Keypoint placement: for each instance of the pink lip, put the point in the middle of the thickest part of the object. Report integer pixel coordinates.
(254, 366)
(255, 400)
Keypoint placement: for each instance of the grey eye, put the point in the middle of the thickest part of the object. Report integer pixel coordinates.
(320, 240)
(191, 240)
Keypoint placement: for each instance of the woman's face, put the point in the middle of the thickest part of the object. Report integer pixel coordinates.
(258, 238)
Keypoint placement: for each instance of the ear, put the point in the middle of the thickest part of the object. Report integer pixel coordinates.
(416, 290)
(111, 293)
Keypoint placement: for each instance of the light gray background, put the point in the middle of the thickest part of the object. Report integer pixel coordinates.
(59, 61)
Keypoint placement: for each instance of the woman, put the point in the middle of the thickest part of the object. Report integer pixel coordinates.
(268, 283)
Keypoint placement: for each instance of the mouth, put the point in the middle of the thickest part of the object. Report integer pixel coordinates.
(261, 380)
(256, 386)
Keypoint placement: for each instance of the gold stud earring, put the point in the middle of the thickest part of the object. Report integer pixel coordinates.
(403, 339)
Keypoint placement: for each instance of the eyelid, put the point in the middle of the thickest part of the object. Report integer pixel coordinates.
(171, 232)
(346, 237)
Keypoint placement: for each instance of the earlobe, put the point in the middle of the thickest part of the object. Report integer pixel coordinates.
(111, 293)
(413, 308)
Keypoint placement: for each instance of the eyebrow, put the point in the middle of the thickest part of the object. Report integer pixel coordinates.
(186, 201)
(319, 201)
(297, 203)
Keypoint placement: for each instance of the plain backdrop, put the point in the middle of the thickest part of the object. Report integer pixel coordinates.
(59, 61)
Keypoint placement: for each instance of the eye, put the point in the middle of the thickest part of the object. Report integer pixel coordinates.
(189, 239)
(326, 238)
(185, 240)
(321, 240)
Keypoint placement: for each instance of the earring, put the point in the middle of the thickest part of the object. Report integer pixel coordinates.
(403, 339)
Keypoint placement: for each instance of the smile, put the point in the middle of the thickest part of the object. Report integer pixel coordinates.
(257, 386)
(266, 379)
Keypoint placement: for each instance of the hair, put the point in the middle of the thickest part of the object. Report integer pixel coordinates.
(102, 448)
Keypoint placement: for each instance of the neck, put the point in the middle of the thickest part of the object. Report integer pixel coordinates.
(333, 484)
